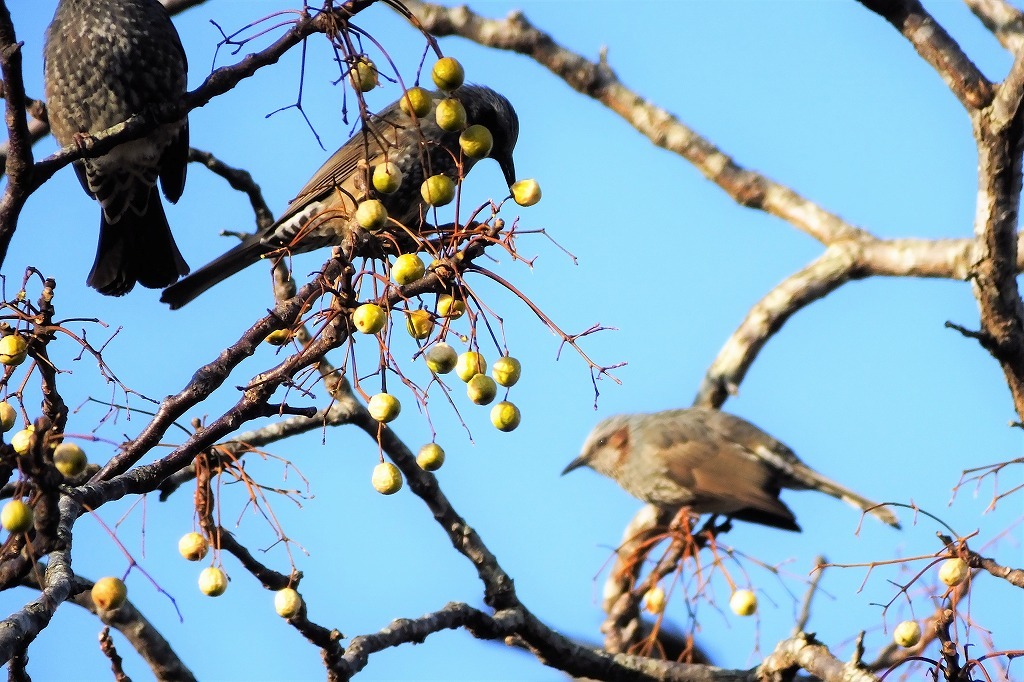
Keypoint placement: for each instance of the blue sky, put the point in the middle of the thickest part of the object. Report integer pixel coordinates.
(866, 385)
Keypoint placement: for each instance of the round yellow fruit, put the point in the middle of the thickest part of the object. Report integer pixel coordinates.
(505, 416)
(907, 634)
(526, 192)
(384, 407)
(109, 593)
(364, 75)
(430, 457)
(369, 318)
(193, 546)
(371, 215)
(407, 269)
(448, 73)
(506, 371)
(451, 307)
(8, 415)
(69, 459)
(469, 364)
(476, 141)
(438, 190)
(212, 581)
(278, 337)
(13, 349)
(441, 358)
(743, 603)
(287, 602)
(654, 600)
(953, 571)
(387, 178)
(419, 323)
(16, 517)
(386, 479)
(416, 101)
(450, 115)
(481, 389)
(22, 441)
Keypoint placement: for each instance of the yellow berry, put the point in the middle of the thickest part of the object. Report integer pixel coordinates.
(369, 318)
(371, 215)
(287, 602)
(193, 546)
(450, 115)
(953, 571)
(441, 358)
(407, 269)
(16, 516)
(476, 141)
(8, 416)
(743, 603)
(387, 177)
(384, 407)
(448, 73)
(23, 440)
(69, 459)
(481, 389)
(469, 364)
(278, 337)
(438, 190)
(430, 457)
(907, 634)
(416, 101)
(386, 479)
(212, 581)
(654, 600)
(419, 323)
(109, 593)
(13, 349)
(451, 307)
(364, 75)
(506, 371)
(505, 416)
(526, 192)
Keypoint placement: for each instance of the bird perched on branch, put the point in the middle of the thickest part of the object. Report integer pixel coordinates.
(324, 211)
(710, 461)
(105, 61)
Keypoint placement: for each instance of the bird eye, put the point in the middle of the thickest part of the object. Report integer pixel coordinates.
(602, 442)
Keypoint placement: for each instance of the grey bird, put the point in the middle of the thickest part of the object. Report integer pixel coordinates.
(710, 461)
(105, 61)
(323, 213)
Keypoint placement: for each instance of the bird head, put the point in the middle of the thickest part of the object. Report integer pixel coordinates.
(607, 448)
(487, 108)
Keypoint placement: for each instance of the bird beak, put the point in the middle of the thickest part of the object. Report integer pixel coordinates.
(580, 461)
(509, 169)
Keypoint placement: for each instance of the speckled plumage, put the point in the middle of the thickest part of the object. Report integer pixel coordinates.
(323, 212)
(105, 61)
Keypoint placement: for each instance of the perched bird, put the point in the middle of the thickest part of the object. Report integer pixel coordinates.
(710, 461)
(105, 61)
(324, 210)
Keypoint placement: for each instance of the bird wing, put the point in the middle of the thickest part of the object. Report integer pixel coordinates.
(340, 169)
(724, 475)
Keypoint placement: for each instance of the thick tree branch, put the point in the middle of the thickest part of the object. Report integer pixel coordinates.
(937, 48)
(1003, 19)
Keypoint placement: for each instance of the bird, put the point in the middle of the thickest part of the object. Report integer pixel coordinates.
(105, 61)
(710, 461)
(323, 212)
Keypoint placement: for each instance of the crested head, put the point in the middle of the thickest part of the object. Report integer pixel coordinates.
(607, 447)
(493, 111)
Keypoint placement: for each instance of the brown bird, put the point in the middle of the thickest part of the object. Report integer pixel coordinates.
(105, 61)
(323, 212)
(710, 461)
